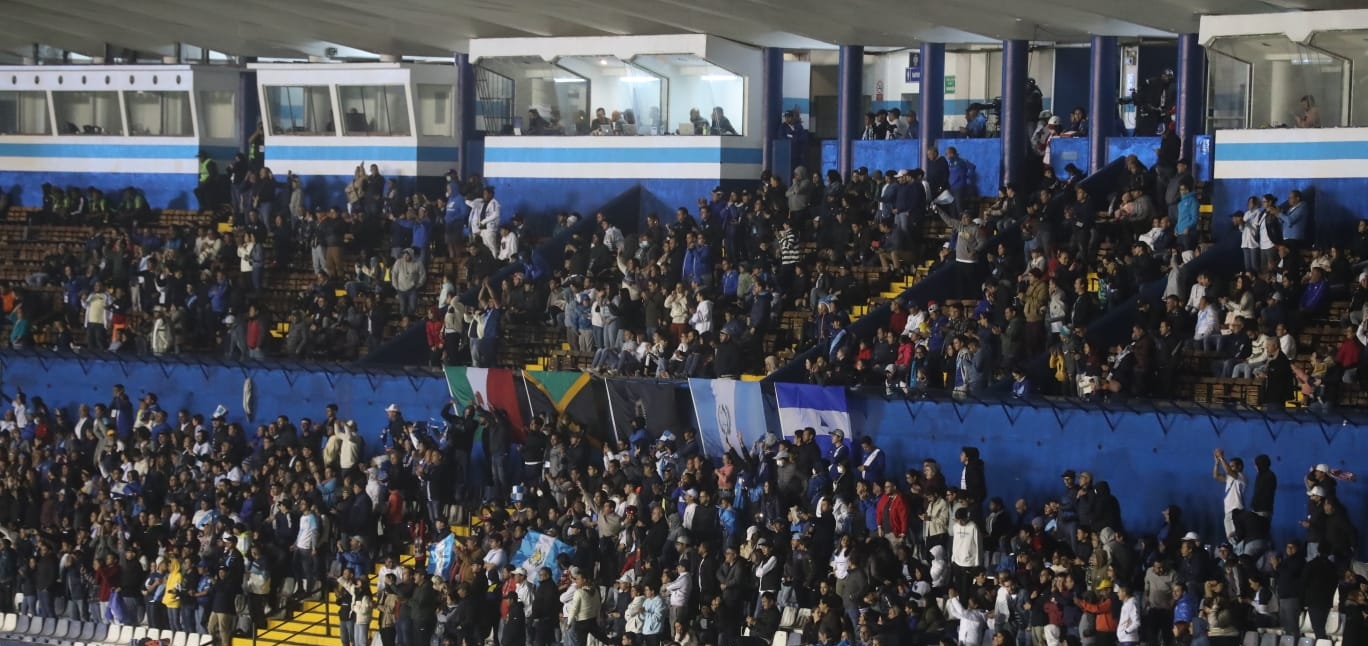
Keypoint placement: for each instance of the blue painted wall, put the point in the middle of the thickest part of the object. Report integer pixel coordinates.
(1073, 68)
(1146, 148)
(163, 190)
(1073, 150)
(541, 199)
(985, 154)
(1150, 460)
(1336, 204)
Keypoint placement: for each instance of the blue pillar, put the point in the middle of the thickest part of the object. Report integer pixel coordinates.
(1191, 93)
(1014, 120)
(931, 121)
(465, 111)
(850, 90)
(1104, 86)
(772, 106)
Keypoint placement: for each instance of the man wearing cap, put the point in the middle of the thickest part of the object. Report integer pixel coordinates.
(969, 241)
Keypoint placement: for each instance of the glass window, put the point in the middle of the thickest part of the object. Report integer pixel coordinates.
(1349, 45)
(300, 110)
(159, 114)
(374, 110)
(627, 99)
(529, 95)
(88, 113)
(435, 113)
(24, 113)
(702, 98)
(1290, 84)
(1227, 92)
(218, 114)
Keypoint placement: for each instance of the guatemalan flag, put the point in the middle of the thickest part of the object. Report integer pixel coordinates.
(540, 551)
(820, 407)
(441, 556)
(731, 414)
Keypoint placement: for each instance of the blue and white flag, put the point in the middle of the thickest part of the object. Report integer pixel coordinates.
(731, 414)
(540, 551)
(441, 556)
(820, 407)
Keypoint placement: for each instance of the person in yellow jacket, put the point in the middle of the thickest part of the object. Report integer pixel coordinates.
(171, 598)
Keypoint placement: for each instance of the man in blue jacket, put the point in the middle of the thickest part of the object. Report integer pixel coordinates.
(1296, 221)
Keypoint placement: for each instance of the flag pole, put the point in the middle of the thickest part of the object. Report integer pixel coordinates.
(527, 392)
(608, 385)
(698, 417)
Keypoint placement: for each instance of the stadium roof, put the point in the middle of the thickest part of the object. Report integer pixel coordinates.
(417, 28)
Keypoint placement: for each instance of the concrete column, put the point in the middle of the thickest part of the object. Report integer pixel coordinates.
(772, 100)
(931, 122)
(1191, 93)
(1105, 71)
(1014, 120)
(850, 89)
(465, 112)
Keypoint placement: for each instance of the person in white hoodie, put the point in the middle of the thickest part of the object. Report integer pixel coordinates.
(973, 621)
(1128, 626)
(966, 549)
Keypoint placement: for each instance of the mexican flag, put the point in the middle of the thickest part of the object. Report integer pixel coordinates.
(489, 389)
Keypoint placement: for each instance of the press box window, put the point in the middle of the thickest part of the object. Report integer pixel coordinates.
(374, 110)
(300, 110)
(159, 114)
(88, 113)
(24, 113)
(435, 114)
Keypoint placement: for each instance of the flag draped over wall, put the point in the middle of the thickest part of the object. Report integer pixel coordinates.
(489, 389)
(631, 398)
(820, 407)
(538, 551)
(729, 414)
(573, 395)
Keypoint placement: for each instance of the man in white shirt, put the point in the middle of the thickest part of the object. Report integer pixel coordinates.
(966, 549)
(1198, 292)
(484, 219)
(1128, 626)
(1230, 473)
(612, 236)
(306, 546)
(677, 592)
(508, 244)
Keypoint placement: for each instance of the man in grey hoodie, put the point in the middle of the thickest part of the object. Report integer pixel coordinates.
(969, 241)
(800, 194)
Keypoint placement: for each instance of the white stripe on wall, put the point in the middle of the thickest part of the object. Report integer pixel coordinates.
(97, 165)
(1284, 135)
(511, 170)
(306, 168)
(1298, 169)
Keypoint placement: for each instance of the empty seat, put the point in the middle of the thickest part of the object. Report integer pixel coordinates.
(98, 631)
(7, 622)
(1324, 642)
(1287, 640)
(21, 625)
(139, 632)
(1268, 639)
(120, 635)
(1251, 638)
(62, 629)
(1307, 641)
(1333, 625)
(87, 630)
(178, 638)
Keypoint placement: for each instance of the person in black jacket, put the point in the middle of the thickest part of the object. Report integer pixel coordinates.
(546, 609)
(972, 481)
(1321, 581)
(766, 620)
(1290, 584)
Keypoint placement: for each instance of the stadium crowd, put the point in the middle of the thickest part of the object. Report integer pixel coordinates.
(121, 511)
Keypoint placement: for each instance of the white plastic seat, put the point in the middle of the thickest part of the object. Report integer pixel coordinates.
(1287, 640)
(1307, 641)
(21, 625)
(7, 622)
(780, 638)
(1251, 638)
(62, 629)
(98, 631)
(139, 632)
(1324, 642)
(1268, 639)
(1333, 624)
(178, 638)
(122, 635)
(86, 630)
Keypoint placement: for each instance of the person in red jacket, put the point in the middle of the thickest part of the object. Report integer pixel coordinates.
(435, 341)
(256, 334)
(891, 514)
